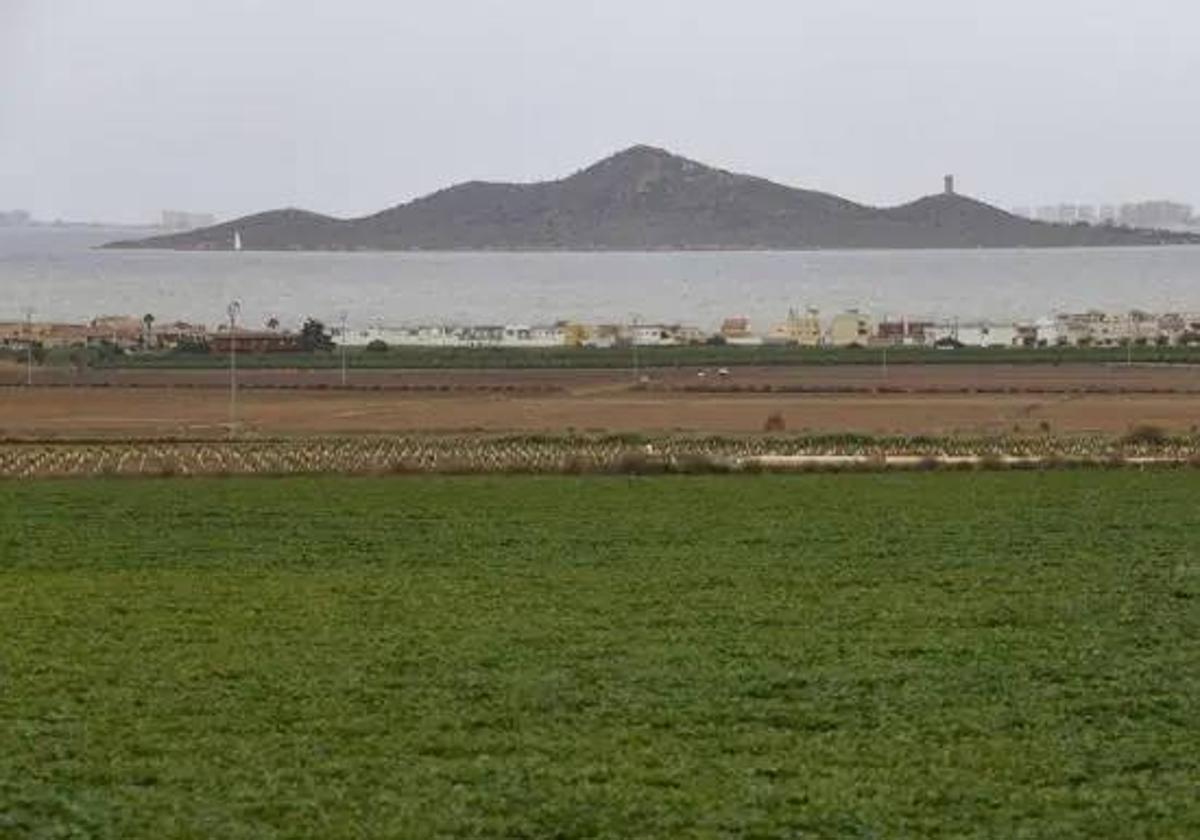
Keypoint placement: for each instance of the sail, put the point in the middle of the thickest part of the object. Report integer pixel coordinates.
(237, 240)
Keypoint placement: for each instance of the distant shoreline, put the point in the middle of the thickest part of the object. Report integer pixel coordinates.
(716, 249)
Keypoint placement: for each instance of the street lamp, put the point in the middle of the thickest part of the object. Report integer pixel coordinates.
(234, 309)
(633, 341)
(343, 348)
(28, 347)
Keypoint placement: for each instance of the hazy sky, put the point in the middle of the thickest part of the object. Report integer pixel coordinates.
(117, 109)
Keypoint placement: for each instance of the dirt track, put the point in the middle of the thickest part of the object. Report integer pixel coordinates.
(195, 404)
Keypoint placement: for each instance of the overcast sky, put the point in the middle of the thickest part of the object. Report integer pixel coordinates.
(115, 110)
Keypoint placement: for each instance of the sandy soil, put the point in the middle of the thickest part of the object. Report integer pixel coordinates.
(585, 404)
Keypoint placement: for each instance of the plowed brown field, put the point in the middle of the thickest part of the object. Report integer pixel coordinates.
(950, 399)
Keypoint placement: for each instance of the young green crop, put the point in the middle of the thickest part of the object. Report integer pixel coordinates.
(511, 358)
(935, 656)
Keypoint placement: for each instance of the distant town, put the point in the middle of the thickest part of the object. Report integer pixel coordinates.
(1154, 215)
(801, 327)
(173, 221)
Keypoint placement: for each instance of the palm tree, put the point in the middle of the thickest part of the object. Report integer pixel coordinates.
(147, 328)
(272, 323)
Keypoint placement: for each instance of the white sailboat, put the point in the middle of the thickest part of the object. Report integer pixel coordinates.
(237, 240)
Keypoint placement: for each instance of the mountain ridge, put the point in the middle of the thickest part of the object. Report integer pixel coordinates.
(648, 199)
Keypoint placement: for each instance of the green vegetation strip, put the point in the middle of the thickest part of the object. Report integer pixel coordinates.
(934, 656)
(622, 357)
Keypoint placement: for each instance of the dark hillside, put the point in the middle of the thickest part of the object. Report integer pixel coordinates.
(649, 199)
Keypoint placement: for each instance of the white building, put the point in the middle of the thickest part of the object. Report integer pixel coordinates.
(979, 334)
(418, 336)
(549, 335)
(1103, 329)
(653, 335)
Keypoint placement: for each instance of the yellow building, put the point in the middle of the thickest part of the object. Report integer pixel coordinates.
(576, 335)
(804, 330)
(852, 327)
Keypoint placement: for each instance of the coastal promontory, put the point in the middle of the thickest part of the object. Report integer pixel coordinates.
(647, 199)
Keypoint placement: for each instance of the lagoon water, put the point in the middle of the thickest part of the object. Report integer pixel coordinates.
(62, 276)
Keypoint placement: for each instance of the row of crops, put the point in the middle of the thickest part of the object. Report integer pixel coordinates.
(556, 454)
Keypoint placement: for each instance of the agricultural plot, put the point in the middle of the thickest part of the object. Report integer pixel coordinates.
(582, 358)
(628, 453)
(933, 655)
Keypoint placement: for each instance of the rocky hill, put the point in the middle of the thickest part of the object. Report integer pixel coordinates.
(648, 199)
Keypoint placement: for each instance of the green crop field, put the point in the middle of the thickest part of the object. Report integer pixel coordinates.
(942, 655)
(664, 357)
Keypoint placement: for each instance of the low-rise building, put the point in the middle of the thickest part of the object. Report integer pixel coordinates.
(605, 335)
(737, 331)
(1027, 335)
(1177, 328)
(575, 334)
(851, 328)
(253, 341)
(124, 332)
(1078, 328)
(172, 335)
(482, 335)
(422, 336)
(549, 335)
(14, 334)
(800, 329)
(978, 334)
(1143, 328)
(652, 335)
(904, 333)
(20, 334)
(1102, 329)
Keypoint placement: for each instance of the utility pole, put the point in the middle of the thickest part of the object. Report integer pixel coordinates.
(633, 341)
(28, 347)
(343, 342)
(235, 307)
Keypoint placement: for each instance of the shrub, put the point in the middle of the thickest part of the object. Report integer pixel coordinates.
(774, 422)
(377, 346)
(575, 465)
(1145, 435)
(634, 462)
(191, 346)
(697, 464)
(992, 462)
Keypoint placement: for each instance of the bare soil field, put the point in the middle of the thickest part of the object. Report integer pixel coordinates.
(121, 411)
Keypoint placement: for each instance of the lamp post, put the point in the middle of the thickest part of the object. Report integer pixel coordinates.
(633, 342)
(28, 347)
(343, 342)
(234, 308)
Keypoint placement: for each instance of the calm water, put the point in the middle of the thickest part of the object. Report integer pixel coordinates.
(62, 276)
